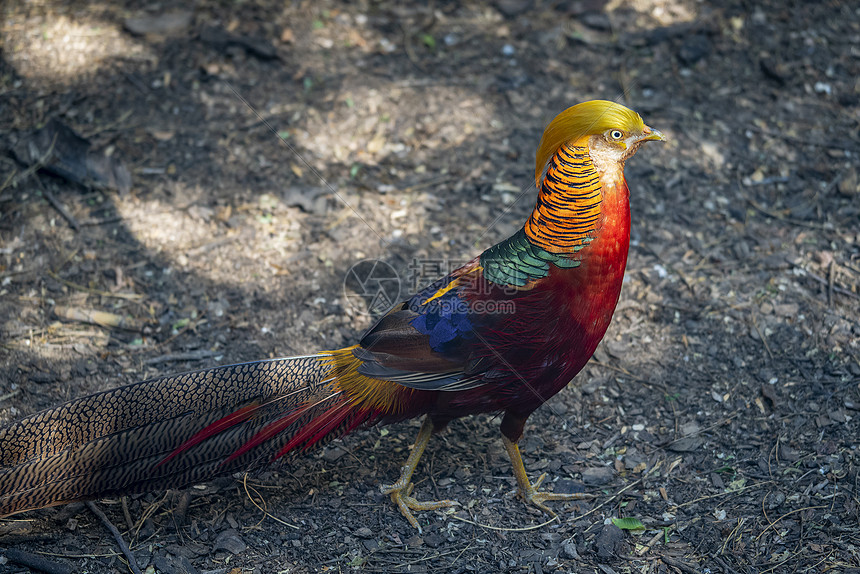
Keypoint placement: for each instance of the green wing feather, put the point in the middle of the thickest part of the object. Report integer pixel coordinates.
(516, 261)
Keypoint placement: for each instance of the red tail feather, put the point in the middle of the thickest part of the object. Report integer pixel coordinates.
(213, 429)
(267, 433)
(317, 428)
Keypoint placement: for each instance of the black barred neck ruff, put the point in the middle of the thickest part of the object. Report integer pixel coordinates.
(568, 207)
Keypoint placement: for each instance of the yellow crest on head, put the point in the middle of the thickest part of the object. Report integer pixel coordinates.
(585, 119)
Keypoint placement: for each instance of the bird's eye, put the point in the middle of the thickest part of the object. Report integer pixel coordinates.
(616, 134)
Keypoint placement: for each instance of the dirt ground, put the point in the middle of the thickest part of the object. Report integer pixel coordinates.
(722, 408)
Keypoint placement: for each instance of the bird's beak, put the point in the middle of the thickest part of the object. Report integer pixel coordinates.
(650, 134)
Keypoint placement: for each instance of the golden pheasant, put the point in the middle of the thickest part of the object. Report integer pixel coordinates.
(501, 334)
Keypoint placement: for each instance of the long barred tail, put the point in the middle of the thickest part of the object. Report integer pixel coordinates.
(172, 431)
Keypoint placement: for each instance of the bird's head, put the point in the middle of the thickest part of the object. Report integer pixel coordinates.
(608, 129)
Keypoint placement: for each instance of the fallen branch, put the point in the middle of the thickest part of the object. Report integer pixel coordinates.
(132, 562)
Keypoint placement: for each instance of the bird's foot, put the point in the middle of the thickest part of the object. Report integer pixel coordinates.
(401, 495)
(531, 495)
(529, 492)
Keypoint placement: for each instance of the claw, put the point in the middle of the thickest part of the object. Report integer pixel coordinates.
(402, 497)
(528, 491)
(401, 491)
(531, 495)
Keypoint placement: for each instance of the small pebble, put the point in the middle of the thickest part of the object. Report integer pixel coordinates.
(364, 532)
(597, 476)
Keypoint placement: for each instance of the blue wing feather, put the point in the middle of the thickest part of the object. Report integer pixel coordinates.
(441, 314)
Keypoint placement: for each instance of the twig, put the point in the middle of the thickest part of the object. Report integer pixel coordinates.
(682, 566)
(833, 183)
(731, 535)
(126, 514)
(132, 562)
(738, 491)
(201, 249)
(201, 320)
(95, 317)
(651, 543)
(262, 508)
(771, 525)
(150, 510)
(778, 217)
(623, 490)
(135, 81)
(629, 375)
(36, 562)
(58, 205)
(5, 184)
(187, 356)
(36, 166)
(13, 273)
(9, 395)
(429, 183)
(410, 52)
(106, 221)
(108, 126)
(723, 565)
(179, 512)
(500, 529)
(75, 286)
(826, 556)
(768, 181)
(826, 283)
(461, 553)
(761, 336)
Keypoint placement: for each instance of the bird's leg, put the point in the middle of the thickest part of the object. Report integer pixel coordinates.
(512, 426)
(528, 491)
(401, 491)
